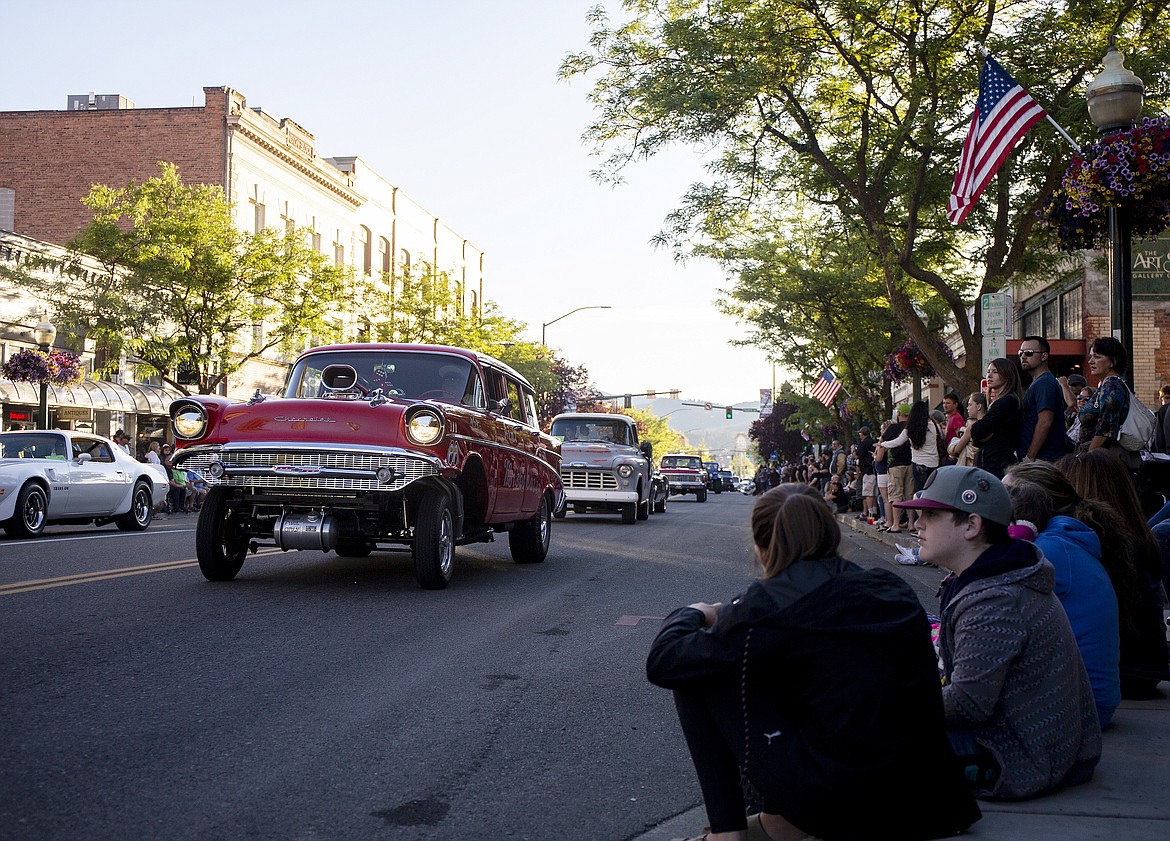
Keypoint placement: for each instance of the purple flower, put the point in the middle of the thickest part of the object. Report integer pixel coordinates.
(35, 366)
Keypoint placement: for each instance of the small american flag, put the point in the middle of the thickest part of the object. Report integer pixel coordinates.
(1003, 114)
(826, 387)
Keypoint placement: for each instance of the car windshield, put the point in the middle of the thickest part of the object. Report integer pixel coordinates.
(32, 445)
(594, 431)
(681, 461)
(406, 374)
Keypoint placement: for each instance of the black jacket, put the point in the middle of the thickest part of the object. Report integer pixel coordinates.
(997, 434)
(843, 702)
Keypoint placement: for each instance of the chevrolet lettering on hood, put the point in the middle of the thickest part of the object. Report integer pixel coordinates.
(372, 447)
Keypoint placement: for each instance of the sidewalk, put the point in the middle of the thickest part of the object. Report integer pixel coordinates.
(1128, 798)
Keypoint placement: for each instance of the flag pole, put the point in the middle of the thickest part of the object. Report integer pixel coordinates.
(1047, 116)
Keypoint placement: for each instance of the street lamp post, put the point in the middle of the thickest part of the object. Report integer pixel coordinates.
(1115, 100)
(43, 335)
(566, 315)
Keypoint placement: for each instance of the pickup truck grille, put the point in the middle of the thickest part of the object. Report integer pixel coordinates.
(591, 480)
(309, 469)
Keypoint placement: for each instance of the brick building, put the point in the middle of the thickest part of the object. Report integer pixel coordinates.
(270, 172)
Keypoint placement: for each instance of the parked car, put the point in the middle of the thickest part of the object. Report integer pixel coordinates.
(373, 446)
(659, 492)
(685, 475)
(603, 466)
(53, 476)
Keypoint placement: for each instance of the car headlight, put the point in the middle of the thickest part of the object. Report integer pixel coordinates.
(625, 470)
(190, 421)
(424, 427)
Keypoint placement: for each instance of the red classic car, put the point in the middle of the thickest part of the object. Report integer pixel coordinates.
(374, 445)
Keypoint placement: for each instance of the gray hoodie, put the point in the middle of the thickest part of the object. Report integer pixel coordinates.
(1013, 675)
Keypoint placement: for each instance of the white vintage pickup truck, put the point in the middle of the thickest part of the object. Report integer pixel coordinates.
(604, 468)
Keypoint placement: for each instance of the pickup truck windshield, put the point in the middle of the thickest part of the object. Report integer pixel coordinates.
(591, 431)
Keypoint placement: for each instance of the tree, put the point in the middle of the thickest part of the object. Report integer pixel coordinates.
(858, 108)
(654, 429)
(183, 287)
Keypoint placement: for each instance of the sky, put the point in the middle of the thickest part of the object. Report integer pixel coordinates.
(457, 102)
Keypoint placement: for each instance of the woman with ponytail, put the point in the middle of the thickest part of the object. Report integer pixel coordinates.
(818, 689)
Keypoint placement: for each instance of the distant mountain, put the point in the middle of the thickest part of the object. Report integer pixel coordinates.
(704, 427)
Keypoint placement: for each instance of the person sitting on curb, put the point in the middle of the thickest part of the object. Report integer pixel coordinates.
(1082, 585)
(1019, 706)
(820, 686)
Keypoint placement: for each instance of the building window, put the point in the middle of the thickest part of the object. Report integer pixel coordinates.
(257, 202)
(1032, 324)
(1070, 314)
(384, 255)
(338, 250)
(1048, 316)
(286, 218)
(367, 251)
(404, 261)
(315, 236)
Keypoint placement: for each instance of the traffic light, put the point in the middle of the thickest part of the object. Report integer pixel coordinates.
(730, 413)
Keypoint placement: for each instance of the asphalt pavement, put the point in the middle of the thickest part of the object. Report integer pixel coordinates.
(1128, 798)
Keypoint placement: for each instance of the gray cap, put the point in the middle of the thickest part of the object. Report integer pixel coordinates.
(968, 489)
(1077, 381)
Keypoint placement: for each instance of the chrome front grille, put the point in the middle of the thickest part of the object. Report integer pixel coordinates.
(306, 469)
(588, 480)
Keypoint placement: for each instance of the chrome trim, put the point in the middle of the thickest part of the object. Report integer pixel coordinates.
(308, 467)
(596, 480)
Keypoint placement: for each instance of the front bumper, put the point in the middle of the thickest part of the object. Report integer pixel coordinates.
(577, 495)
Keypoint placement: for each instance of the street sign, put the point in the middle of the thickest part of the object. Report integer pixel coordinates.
(765, 402)
(994, 347)
(707, 406)
(996, 308)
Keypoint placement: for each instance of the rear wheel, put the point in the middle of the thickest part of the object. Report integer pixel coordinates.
(529, 541)
(434, 542)
(644, 509)
(660, 506)
(31, 513)
(220, 545)
(141, 509)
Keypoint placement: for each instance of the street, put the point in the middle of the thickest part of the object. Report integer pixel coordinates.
(325, 698)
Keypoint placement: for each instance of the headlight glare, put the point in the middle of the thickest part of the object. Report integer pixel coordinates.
(190, 421)
(424, 427)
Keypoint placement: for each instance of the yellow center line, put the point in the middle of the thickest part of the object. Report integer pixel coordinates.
(99, 575)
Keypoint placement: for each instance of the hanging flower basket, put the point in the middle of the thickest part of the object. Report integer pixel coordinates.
(36, 366)
(1128, 170)
(908, 360)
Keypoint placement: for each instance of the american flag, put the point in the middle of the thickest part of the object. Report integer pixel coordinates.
(826, 387)
(1003, 114)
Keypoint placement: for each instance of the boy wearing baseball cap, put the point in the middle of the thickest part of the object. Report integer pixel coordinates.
(1017, 699)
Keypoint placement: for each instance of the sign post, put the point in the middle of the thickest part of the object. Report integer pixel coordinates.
(996, 311)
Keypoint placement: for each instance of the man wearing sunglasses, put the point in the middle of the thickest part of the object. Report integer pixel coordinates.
(1042, 434)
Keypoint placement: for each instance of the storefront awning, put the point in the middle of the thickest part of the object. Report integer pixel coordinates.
(98, 395)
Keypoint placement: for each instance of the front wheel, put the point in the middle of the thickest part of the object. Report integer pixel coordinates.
(701, 496)
(529, 541)
(220, 546)
(31, 512)
(141, 510)
(629, 512)
(434, 542)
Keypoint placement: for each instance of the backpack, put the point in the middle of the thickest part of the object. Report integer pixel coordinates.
(1138, 427)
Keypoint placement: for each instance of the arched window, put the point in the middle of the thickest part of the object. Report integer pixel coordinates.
(367, 250)
(404, 269)
(384, 255)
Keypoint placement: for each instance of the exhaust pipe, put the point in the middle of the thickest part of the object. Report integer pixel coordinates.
(308, 530)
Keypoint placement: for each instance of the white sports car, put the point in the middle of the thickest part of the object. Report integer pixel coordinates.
(56, 476)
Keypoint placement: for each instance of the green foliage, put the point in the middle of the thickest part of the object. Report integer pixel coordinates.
(183, 286)
(654, 429)
(858, 109)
